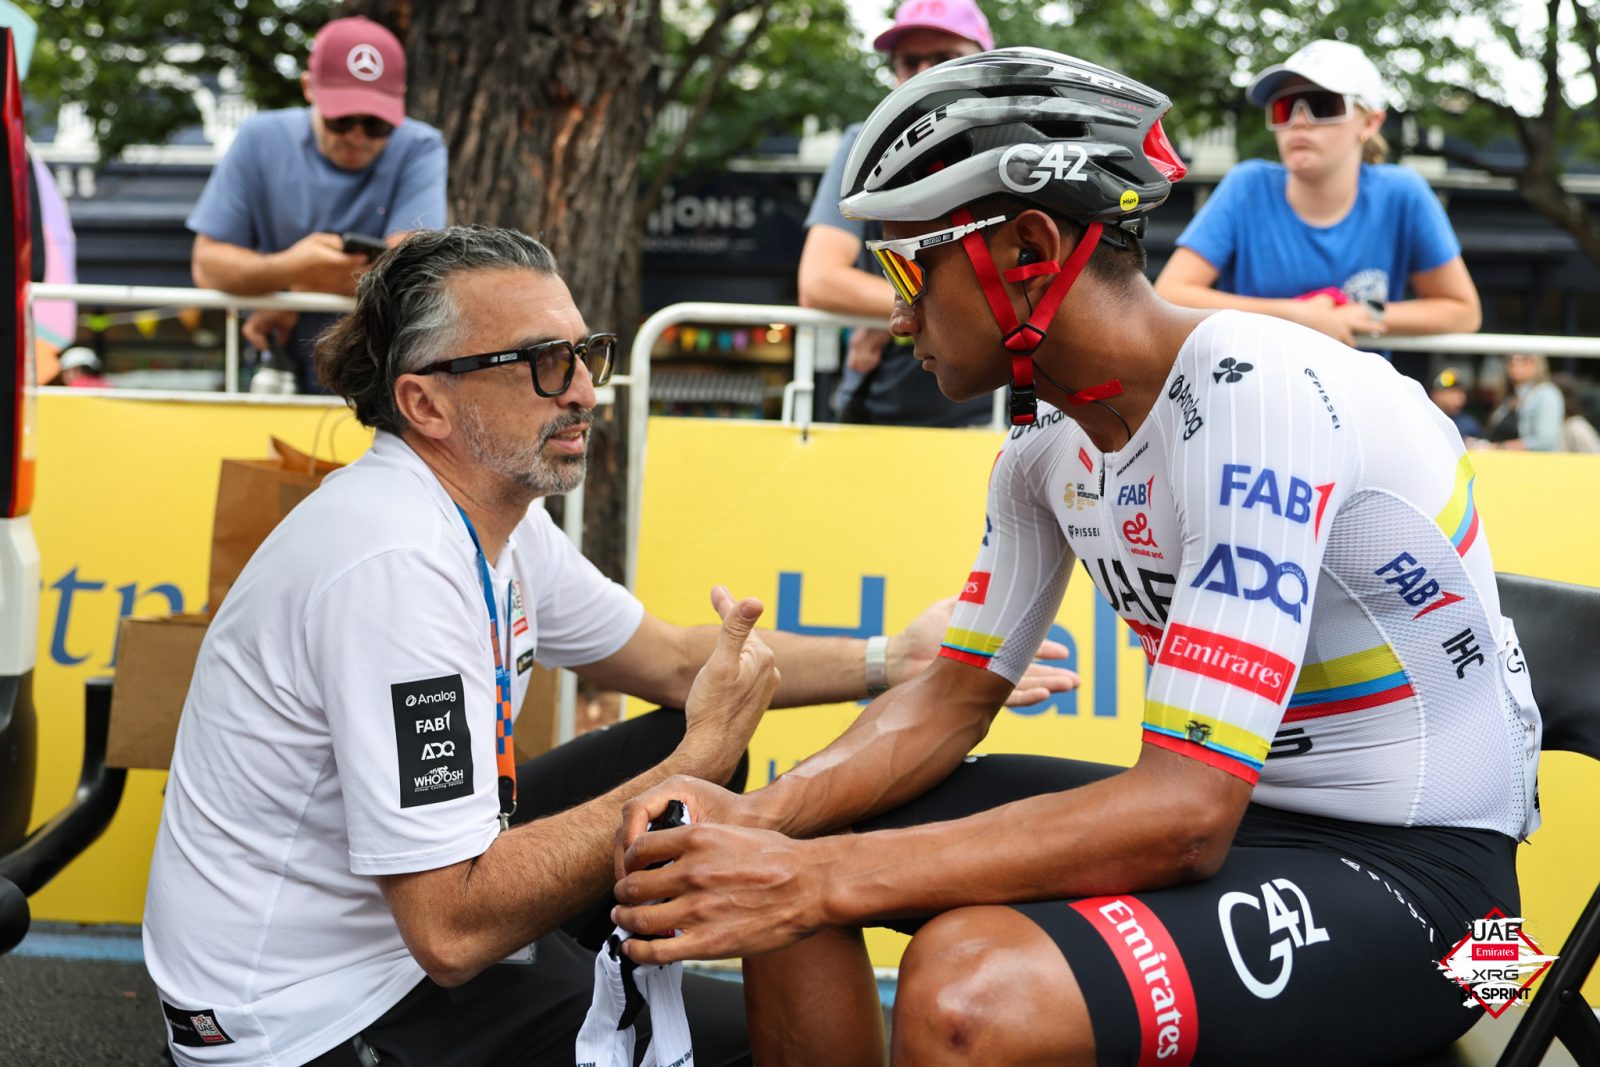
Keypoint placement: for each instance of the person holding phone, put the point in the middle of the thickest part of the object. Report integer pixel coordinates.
(306, 198)
(1330, 237)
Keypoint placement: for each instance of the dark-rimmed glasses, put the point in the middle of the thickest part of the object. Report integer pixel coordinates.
(551, 363)
(372, 126)
(1321, 107)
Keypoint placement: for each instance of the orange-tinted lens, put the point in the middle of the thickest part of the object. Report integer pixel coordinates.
(903, 274)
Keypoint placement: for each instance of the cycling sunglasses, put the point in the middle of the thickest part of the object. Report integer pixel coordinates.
(898, 259)
(1321, 107)
(375, 128)
(552, 363)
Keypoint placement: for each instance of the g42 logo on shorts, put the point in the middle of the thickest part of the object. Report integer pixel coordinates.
(1262, 489)
(1410, 579)
(1026, 168)
(1298, 928)
(1285, 584)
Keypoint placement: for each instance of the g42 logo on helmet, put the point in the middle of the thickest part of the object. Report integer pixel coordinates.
(1025, 168)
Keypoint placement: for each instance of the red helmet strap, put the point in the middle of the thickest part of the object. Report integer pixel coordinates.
(1023, 339)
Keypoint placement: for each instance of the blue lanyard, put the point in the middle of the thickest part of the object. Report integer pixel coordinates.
(504, 748)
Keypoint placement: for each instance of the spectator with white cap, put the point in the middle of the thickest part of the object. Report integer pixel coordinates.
(883, 383)
(1331, 236)
(294, 181)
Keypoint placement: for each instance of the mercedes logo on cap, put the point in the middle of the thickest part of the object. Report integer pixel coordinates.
(365, 62)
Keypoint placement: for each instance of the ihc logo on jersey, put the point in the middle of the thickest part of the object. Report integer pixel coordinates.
(1496, 963)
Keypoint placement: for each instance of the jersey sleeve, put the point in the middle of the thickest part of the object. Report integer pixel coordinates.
(223, 212)
(400, 657)
(1213, 233)
(1433, 241)
(1015, 588)
(583, 616)
(1257, 491)
(419, 197)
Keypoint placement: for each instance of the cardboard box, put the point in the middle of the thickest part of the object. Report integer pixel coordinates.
(155, 660)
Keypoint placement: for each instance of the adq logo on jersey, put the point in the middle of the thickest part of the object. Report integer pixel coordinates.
(1410, 579)
(1300, 503)
(1284, 584)
(1271, 906)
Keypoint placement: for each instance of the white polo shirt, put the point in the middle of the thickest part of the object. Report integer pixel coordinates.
(341, 725)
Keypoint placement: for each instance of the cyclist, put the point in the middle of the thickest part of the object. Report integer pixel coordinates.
(1339, 739)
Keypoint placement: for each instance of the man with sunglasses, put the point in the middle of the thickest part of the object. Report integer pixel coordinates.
(881, 383)
(348, 849)
(274, 212)
(1330, 237)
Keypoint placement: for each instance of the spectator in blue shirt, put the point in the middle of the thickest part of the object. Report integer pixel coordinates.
(294, 181)
(1330, 237)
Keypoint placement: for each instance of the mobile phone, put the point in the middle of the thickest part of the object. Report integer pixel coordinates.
(674, 815)
(363, 244)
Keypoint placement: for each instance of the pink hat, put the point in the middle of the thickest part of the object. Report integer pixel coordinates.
(960, 17)
(358, 68)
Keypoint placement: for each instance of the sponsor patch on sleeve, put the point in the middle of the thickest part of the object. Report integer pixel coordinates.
(977, 588)
(433, 740)
(525, 662)
(194, 1027)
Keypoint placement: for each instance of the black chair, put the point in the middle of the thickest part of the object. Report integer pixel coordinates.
(44, 853)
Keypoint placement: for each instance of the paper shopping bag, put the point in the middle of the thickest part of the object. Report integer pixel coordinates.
(253, 496)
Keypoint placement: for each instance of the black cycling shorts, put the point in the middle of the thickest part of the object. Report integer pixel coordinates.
(1316, 943)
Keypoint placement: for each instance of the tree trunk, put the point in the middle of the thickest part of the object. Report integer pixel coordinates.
(545, 106)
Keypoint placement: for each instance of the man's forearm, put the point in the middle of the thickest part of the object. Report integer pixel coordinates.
(907, 741)
(233, 269)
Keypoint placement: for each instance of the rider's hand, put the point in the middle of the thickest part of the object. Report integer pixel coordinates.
(865, 350)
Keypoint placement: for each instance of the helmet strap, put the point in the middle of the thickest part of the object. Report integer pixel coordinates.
(1023, 339)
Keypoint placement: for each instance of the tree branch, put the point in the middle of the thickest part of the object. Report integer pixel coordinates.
(1588, 33)
(725, 62)
(710, 40)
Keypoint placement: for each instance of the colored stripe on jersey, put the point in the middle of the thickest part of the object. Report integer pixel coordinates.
(1219, 744)
(1459, 519)
(1355, 682)
(970, 646)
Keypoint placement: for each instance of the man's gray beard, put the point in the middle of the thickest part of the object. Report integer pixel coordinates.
(524, 462)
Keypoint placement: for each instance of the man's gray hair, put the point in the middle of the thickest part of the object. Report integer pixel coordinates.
(405, 317)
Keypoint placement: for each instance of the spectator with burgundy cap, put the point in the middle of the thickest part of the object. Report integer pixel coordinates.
(1331, 236)
(882, 383)
(275, 211)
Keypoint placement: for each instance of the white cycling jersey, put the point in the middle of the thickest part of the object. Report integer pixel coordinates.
(1293, 537)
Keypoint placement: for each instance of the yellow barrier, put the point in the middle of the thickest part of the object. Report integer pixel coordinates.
(858, 529)
(850, 529)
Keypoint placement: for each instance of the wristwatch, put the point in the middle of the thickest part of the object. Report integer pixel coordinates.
(877, 666)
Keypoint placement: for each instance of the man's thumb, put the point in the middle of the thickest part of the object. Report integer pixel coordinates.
(740, 620)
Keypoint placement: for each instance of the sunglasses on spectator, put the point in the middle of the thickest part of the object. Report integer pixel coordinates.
(898, 259)
(375, 128)
(552, 363)
(1320, 106)
(909, 63)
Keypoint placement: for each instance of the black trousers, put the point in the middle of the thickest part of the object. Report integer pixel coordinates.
(529, 1014)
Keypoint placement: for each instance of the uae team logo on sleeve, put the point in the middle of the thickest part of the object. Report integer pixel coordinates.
(1496, 963)
(433, 740)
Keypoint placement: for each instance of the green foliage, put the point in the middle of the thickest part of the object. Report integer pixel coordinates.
(134, 64)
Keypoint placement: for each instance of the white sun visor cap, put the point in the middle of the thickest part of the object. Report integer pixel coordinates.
(1336, 66)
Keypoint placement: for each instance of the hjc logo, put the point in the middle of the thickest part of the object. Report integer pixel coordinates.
(1301, 928)
(438, 750)
(1263, 490)
(1226, 581)
(1410, 579)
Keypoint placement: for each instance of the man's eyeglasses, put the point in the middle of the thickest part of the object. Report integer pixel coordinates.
(373, 127)
(1321, 107)
(898, 259)
(552, 363)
